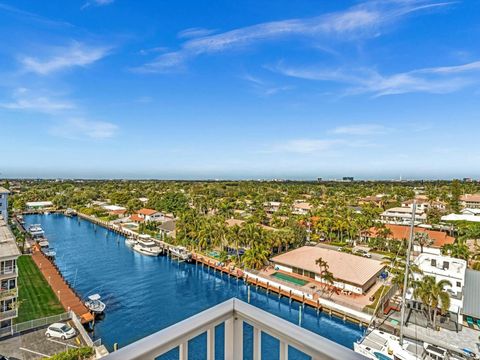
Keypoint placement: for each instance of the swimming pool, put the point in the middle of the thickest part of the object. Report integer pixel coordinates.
(146, 294)
(291, 279)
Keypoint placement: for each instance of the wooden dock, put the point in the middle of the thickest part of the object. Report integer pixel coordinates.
(65, 294)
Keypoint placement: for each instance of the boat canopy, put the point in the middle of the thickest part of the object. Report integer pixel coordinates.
(94, 297)
(144, 236)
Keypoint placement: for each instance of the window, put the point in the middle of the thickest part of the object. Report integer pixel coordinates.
(459, 284)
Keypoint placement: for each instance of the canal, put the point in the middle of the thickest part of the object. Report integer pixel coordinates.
(146, 294)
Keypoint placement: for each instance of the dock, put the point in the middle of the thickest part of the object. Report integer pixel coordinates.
(65, 294)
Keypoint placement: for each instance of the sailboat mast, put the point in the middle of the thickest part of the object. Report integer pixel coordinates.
(407, 269)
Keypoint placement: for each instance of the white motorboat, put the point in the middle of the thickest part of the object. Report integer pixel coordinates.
(181, 252)
(130, 242)
(146, 246)
(94, 304)
(36, 231)
(43, 243)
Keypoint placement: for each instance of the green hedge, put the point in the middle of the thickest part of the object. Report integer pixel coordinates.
(74, 354)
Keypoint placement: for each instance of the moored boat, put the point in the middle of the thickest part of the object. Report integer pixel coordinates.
(94, 304)
(36, 231)
(146, 246)
(182, 253)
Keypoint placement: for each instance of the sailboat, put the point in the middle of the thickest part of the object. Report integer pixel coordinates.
(380, 345)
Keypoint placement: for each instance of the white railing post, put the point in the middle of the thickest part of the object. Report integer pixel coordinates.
(283, 350)
(234, 339)
(257, 344)
(183, 351)
(211, 343)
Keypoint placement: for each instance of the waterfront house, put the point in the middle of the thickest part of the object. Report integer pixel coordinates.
(153, 215)
(167, 228)
(351, 273)
(402, 232)
(9, 254)
(424, 205)
(4, 203)
(39, 205)
(402, 215)
(443, 268)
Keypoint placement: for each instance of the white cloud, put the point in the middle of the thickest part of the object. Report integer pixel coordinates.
(265, 88)
(361, 20)
(194, 33)
(25, 99)
(360, 129)
(436, 80)
(97, 3)
(80, 128)
(60, 58)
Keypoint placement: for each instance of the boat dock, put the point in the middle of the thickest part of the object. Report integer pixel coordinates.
(65, 294)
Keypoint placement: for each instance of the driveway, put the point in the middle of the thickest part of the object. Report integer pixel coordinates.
(35, 345)
(333, 247)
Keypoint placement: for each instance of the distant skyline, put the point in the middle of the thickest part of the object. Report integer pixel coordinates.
(240, 90)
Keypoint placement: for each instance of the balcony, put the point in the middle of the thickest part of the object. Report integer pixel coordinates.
(233, 314)
(4, 315)
(5, 294)
(8, 272)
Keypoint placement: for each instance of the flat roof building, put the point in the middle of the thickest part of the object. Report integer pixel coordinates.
(351, 272)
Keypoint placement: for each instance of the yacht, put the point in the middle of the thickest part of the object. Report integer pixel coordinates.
(36, 231)
(130, 241)
(94, 304)
(43, 243)
(182, 253)
(146, 246)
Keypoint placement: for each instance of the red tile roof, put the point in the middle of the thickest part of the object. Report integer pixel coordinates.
(401, 232)
(146, 211)
(136, 218)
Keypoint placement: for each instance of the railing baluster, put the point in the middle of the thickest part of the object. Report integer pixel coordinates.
(234, 339)
(238, 343)
(183, 351)
(283, 350)
(257, 344)
(211, 344)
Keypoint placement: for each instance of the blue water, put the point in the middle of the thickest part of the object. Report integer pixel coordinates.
(146, 294)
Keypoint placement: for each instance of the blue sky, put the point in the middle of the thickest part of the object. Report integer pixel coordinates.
(240, 89)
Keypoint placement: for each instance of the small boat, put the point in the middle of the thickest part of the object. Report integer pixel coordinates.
(182, 253)
(70, 212)
(43, 243)
(36, 231)
(146, 246)
(94, 304)
(50, 253)
(130, 241)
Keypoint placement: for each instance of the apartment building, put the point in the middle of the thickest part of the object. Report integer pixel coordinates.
(4, 203)
(9, 254)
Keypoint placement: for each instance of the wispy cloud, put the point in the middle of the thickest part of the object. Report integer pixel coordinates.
(25, 99)
(265, 88)
(78, 128)
(305, 146)
(60, 58)
(360, 129)
(97, 3)
(29, 16)
(362, 20)
(194, 33)
(435, 80)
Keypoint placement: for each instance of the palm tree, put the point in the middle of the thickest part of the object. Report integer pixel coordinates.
(256, 257)
(459, 249)
(325, 275)
(433, 295)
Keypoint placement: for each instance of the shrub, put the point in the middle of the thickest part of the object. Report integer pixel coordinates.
(74, 354)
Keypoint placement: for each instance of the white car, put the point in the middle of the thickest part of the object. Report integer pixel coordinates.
(60, 330)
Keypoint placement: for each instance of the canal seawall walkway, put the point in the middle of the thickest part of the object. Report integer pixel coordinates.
(251, 278)
(67, 297)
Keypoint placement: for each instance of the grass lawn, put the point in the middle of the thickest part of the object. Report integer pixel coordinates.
(36, 298)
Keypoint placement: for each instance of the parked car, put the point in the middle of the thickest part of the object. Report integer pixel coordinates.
(60, 330)
(363, 253)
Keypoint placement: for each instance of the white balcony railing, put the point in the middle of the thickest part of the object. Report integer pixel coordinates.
(4, 315)
(233, 313)
(9, 271)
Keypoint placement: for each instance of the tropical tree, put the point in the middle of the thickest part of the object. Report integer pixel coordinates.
(459, 249)
(422, 239)
(433, 295)
(325, 274)
(255, 257)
